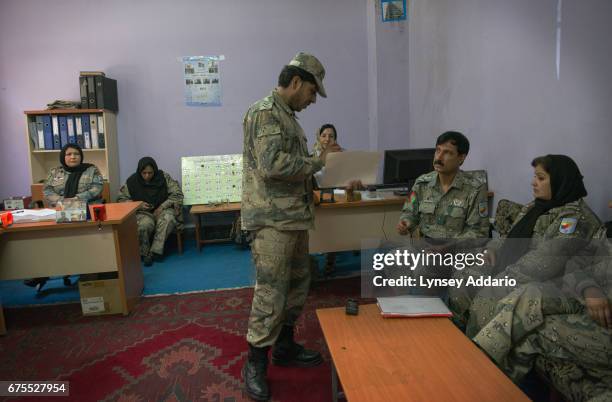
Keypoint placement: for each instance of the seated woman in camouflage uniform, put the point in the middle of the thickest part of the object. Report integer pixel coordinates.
(72, 179)
(555, 227)
(326, 135)
(559, 308)
(161, 209)
(563, 328)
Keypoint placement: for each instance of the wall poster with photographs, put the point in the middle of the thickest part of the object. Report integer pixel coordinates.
(202, 80)
(393, 10)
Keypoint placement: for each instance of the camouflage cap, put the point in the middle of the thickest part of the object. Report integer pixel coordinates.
(311, 64)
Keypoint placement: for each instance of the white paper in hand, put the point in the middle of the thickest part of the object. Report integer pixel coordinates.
(343, 167)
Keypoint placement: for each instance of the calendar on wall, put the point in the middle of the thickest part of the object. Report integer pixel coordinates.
(211, 179)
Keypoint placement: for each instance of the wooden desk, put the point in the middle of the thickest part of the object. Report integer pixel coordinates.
(198, 210)
(409, 360)
(30, 250)
(339, 226)
(342, 225)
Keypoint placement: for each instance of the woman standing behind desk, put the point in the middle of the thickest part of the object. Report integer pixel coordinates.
(72, 179)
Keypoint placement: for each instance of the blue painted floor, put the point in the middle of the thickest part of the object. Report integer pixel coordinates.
(217, 266)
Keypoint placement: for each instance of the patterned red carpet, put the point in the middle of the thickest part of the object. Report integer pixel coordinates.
(175, 348)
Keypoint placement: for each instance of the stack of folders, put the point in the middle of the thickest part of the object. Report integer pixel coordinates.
(412, 306)
(48, 132)
(98, 91)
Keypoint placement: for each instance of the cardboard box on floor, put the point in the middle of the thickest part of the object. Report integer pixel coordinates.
(100, 294)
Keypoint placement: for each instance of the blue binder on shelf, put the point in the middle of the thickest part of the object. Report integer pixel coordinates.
(47, 132)
(63, 129)
(86, 131)
(71, 131)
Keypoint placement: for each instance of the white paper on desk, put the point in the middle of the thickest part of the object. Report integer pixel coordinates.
(342, 167)
(33, 215)
(413, 306)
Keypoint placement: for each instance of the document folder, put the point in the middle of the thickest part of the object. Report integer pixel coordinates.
(106, 93)
(412, 306)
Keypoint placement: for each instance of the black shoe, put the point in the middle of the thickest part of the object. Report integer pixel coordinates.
(37, 283)
(287, 353)
(254, 374)
(148, 261)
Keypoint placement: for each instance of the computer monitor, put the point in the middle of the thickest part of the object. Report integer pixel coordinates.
(403, 166)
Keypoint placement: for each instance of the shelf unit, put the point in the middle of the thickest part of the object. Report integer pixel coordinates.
(106, 159)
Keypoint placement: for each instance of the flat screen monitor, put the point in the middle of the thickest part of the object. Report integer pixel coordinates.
(403, 166)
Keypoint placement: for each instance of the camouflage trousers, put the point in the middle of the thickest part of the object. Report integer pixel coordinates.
(539, 320)
(155, 229)
(460, 298)
(282, 281)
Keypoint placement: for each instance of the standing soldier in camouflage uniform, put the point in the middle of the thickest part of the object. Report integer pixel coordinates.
(73, 179)
(161, 210)
(277, 205)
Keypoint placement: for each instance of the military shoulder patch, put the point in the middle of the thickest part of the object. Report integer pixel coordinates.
(483, 209)
(568, 225)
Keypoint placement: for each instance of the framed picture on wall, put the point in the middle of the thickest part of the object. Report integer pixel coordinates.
(393, 10)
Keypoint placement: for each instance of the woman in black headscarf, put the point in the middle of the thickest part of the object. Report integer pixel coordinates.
(161, 209)
(548, 232)
(560, 310)
(73, 179)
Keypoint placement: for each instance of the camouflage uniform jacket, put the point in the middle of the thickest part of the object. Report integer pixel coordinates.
(90, 185)
(174, 200)
(561, 234)
(592, 268)
(277, 169)
(460, 213)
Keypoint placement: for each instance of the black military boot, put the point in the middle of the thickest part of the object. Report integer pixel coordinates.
(254, 373)
(287, 353)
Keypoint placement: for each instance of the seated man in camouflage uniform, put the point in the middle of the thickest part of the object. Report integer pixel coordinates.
(278, 207)
(447, 203)
(161, 210)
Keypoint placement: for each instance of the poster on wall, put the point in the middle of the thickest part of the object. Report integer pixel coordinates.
(202, 80)
(211, 179)
(393, 10)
